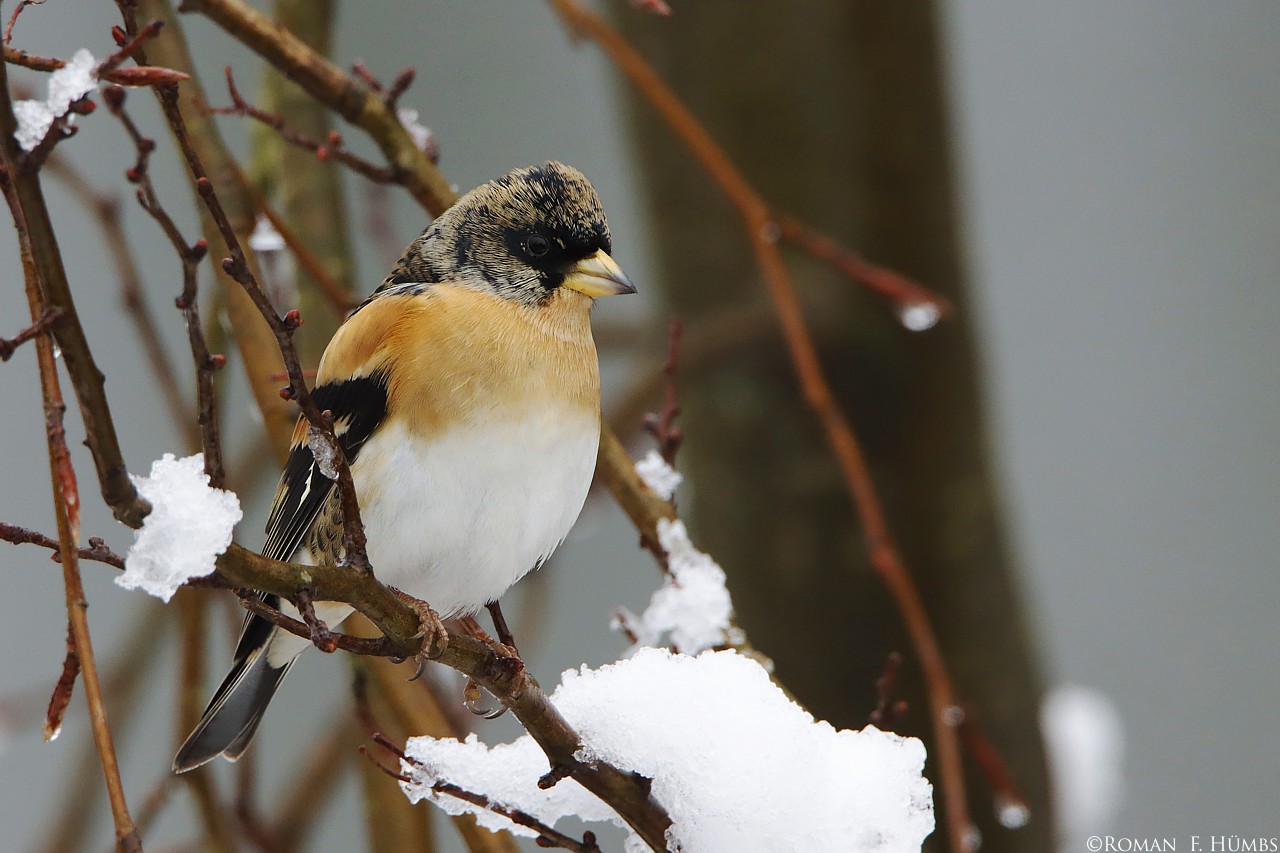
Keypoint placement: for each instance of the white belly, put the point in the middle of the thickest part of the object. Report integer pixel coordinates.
(457, 520)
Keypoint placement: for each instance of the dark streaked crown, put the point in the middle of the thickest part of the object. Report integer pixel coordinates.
(518, 235)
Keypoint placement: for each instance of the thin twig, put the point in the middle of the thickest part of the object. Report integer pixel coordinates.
(106, 210)
(188, 302)
(97, 550)
(547, 836)
(331, 149)
(1011, 805)
(39, 327)
(13, 19)
(338, 297)
(14, 56)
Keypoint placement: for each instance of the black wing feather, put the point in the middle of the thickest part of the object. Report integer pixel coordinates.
(358, 407)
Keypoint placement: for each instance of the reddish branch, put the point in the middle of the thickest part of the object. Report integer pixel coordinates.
(14, 56)
(24, 196)
(390, 95)
(1011, 805)
(13, 19)
(762, 231)
(891, 284)
(331, 148)
(97, 550)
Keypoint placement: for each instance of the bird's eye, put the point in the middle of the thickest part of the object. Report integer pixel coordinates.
(537, 245)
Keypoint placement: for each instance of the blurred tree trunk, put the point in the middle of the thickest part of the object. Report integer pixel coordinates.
(837, 112)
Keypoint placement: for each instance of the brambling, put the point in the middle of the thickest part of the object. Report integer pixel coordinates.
(466, 393)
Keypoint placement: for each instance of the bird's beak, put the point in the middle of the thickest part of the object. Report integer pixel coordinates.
(598, 275)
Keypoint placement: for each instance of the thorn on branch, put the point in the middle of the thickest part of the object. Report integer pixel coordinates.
(47, 318)
(557, 772)
(888, 712)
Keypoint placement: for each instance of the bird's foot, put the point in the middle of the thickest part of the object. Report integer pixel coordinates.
(435, 637)
(503, 649)
(506, 657)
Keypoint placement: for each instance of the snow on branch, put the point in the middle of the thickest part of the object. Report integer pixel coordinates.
(737, 764)
(190, 524)
(692, 606)
(75, 79)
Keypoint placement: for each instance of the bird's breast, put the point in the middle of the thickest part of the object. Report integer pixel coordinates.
(458, 516)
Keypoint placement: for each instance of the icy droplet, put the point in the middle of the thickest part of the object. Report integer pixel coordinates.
(972, 840)
(57, 352)
(953, 715)
(1012, 815)
(770, 232)
(919, 316)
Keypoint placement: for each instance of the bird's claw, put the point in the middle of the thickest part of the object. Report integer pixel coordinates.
(434, 636)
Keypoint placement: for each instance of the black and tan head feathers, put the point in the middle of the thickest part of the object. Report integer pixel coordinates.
(521, 236)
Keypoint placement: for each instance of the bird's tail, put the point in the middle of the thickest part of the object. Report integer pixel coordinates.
(234, 712)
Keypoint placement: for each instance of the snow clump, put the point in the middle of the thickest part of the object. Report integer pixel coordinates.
(77, 78)
(189, 525)
(737, 764)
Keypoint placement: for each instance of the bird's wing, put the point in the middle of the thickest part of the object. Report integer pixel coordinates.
(352, 384)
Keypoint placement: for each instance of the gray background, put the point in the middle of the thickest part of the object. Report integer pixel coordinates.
(1121, 196)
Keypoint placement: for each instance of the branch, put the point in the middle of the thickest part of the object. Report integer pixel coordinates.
(42, 324)
(66, 496)
(511, 685)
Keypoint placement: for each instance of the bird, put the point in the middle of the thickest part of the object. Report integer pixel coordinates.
(465, 393)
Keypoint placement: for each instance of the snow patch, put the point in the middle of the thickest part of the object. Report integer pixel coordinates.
(737, 765)
(692, 606)
(77, 78)
(658, 475)
(418, 132)
(189, 525)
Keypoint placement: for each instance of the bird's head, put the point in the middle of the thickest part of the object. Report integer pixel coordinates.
(522, 236)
